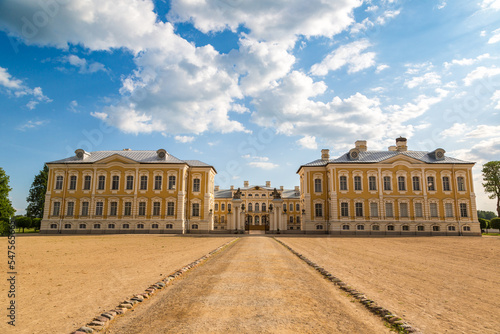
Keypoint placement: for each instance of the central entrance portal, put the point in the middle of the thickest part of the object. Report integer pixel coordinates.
(256, 223)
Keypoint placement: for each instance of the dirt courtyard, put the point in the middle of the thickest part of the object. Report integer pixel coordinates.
(64, 281)
(438, 284)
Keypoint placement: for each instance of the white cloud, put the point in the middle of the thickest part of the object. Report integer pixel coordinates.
(484, 131)
(268, 20)
(481, 73)
(467, 61)
(495, 98)
(431, 78)
(184, 139)
(417, 107)
(442, 4)
(16, 87)
(495, 38)
(83, 65)
(73, 105)
(100, 115)
(371, 8)
(8, 81)
(263, 165)
(381, 67)
(456, 130)
(491, 4)
(350, 55)
(32, 125)
(308, 142)
(364, 25)
(389, 14)
(419, 67)
(255, 158)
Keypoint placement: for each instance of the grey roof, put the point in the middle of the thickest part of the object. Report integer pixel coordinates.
(224, 193)
(138, 156)
(290, 193)
(379, 156)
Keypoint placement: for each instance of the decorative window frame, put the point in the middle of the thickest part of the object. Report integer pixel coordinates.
(137, 204)
(322, 202)
(173, 200)
(195, 201)
(419, 175)
(393, 209)
(110, 200)
(363, 208)
(70, 174)
(111, 174)
(348, 201)
(457, 175)
(429, 202)
(134, 183)
(372, 173)
(87, 172)
(58, 172)
(141, 173)
(469, 210)
(157, 200)
(360, 175)
(132, 208)
(446, 173)
(452, 202)
(80, 206)
(156, 173)
(70, 200)
(318, 176)
(408, 208)
(391, 176)
(434, 175)
(346, 174)
(376, 201)
(402, 173)
(198, 176)
(104, 173)
(415, 209)
(175, 174)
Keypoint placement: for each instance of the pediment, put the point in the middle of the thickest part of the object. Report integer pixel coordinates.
(403, 159)
(116, 158)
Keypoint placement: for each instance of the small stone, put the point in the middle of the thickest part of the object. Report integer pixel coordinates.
(85, 329)
(120, 310)
(108, 315)
(102, 319)
(78, 332)
(96, 323)
(127, 306)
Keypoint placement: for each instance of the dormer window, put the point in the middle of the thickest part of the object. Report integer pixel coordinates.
(81, 154)
(439, 154)
(354, 154)
(162, 154)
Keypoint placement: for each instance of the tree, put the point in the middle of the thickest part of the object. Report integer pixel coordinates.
(6, 208)
(488, 215)
(491, 178)
(35, 223)
(483, 223)
(495, 223)
(23, 222)
(36, 197)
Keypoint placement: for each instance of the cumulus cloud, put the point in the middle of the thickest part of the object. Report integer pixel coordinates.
(16, 87)
(84, 66)
(308, 142)
(495, 38)
(350, 55)
(184, 139)
(480, 73)
(32, 124)
(467, 61)
(457, 129)
(431, 78)
(263, 165)
(495, 98)
(268, 20)
(491, 4)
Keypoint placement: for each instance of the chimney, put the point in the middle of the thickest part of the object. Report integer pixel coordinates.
(281, 187)
(245, 183)
(401, 144)
(297, 189)
(232, 188)
(268, 183)
(361, 145)
(392, 148)
(216, 188)
(325, 154)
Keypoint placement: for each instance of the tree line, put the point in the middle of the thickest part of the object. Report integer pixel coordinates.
(36, 200)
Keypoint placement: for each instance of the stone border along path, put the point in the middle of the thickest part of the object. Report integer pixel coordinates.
(102, 321)
(393, 320)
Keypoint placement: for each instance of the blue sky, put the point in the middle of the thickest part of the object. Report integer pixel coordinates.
(255, 88)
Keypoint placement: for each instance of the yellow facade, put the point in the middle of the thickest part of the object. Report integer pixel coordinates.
(128, 192)
(394, 192)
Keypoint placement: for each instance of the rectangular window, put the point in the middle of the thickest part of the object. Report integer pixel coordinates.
(229, 207)
(158, 180)
(357, 183)
(434, 209)
(446, 183)
(343, 183)
(418, 210)
(170, 208)
(416, 183)
(156, 208)
(130, 182)
(216, 207)
(59, 182)
(317, 185)
(401, 183)
(430, 183)
(142, 208)
(223, 207)
(344, 209)
(196, 185)
(98, 208)
(460, 183)
(387, 183)
(420, 228)
(57, 208)
(101, 182)
(389, 212)
(113, 208)
(85, 208)
(128, 209)
(263, 207)
(115, 182)
(144, 182)
(372, 182)
(171, 182)
(403, 210)
(291, 207)
(448, 210)
(359, 209)
(86, 182)
(463, 210)
(374, 209)
(318, 209)
(406, 228)
(71, 209)
(291, 219)
(196, 210)
(297, 207)
(72, 182)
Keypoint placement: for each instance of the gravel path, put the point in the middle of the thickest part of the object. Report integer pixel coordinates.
(255, 285)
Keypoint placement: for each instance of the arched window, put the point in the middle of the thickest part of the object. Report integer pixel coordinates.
(67, 226)
(250, 207)
(345, 227)
(59, 182)
(319, 227)
(83, 226)
(194, 226)
(154, 226)
(140, 226)
(126, 226)
(53, 226)
(97, 226)
(263, 207)
(169, 226)
(257, 207)
(360, 227)
(375, 228)
(111, 226)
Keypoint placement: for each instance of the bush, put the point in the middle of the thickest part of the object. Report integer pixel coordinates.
(23, 222)
(484, 223)
(35, 223)
(495, 223)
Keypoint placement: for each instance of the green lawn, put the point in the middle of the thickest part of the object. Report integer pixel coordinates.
(497, 234)
(26, 230)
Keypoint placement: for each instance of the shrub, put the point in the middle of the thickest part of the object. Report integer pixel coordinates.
(495, 223)
(484, 223)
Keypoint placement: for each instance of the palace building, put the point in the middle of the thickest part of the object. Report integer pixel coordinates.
(393, 192)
